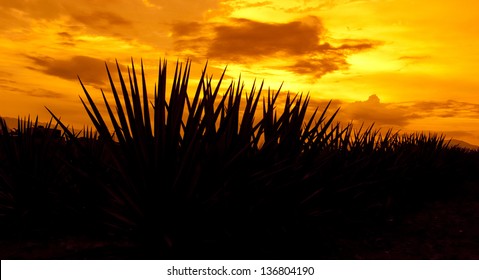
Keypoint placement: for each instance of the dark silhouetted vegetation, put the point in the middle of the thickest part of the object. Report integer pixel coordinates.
(215, 174)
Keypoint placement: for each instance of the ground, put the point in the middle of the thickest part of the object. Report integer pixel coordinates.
(444, 229)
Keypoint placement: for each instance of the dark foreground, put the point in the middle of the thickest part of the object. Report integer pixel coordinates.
(230, 176)
(442, 229)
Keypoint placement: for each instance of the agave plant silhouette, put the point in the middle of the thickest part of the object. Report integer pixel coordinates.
(32, 174)
(164, 155)
(179, 167)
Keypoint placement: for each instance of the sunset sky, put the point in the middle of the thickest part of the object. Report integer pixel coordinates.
(409, 65)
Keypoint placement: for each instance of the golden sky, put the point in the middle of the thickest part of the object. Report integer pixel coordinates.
(404, 64)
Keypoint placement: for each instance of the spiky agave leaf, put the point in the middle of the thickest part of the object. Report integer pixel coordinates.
(205, 155)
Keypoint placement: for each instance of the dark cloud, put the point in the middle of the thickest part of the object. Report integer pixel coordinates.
(51, 9)
(72, 18)
(47, 9)
(184, 28)
(446, 109)
(458, 134)
(65, 35)
(101, 19)
(45, 93)
(301, 45)
(90, 70)
(245, 39)
(401, 114)
(16, 4)
(92, 16)
(189, 9)
(414, 57)
(235, 5)
(66, 38)
(408, 60)
(306, 6)
(318, 67)
(191, 38)
(193, 49)
(358, 47)
(7, 86)
(6, 81)
(228, 7)
(373, 111)
(320, 103)
(259, 4)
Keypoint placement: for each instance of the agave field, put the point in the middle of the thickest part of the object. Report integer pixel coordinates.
(213, 173)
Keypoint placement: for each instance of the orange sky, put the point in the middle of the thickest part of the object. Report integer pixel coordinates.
(403, 64)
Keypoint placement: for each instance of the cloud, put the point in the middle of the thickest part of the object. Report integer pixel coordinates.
(306, 6)
(402, 114)
(259, 4)
(44, 93)
(192, 38)
(8, 86)
(84, 16)
(45, 9)
(143, 22)
(11, 87)
(373, 111)
(414, 57)
(358, 46)
(233, 4)
(186, 28)
(408, 60)
(458, 134)
(246, 39)
(318, 67)
(300, 46)
(446, 109)
(101, 19)
(187, 8)
(90, 70)
(66, 38)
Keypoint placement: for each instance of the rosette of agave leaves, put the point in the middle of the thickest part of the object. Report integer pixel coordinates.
(230, 170)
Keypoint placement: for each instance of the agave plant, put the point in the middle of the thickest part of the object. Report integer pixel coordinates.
(165, 152)
(32, 176)
(185, 169)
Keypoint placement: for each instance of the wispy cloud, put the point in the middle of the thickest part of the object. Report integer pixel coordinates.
(101, 19)
(44, 93)
(446, 109)
(373, 111)
(66, 39)
(403, 114)
(90, 70)
(318, 67)
(11, 87)
(186, 29)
